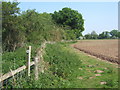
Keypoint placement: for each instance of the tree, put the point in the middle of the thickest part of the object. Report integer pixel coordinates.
(88, 36)
(94, 35)
(104, 35)
(69, 17)
(119, 34)
(70, 35)
(114, 33)
(12, 35)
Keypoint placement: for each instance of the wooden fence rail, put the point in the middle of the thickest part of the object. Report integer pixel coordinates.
(29, 64)
(12, 73)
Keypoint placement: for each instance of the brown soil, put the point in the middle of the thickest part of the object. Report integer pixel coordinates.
(103, 49)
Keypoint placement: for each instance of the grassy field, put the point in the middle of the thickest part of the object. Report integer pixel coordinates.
(67, 67)
(96, 73)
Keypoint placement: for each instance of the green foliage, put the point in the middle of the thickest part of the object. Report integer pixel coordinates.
(32, 28)
(13, 60)
(114, 34)
(61, 61)
(29, 26)
(40, 27)
(72, 18)
(104, 35)
(70, 35)
(65, 66)
(88, 36)
(69, 17)
(12, 34)
(119, 34)
(62, 69)
(93, 35)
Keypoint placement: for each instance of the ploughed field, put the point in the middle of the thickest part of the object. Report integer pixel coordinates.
(103, 49)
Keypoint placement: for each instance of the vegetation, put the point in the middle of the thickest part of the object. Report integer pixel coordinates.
(31, 26)
(67, 68)
(93, 35)
(12, 35)
(13, 60)
(91, 78)
(71, 20)
(62, 64)
(28, 26)
(114, 34)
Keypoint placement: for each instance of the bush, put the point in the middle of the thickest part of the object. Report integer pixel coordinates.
(13, 60)
(63, 63)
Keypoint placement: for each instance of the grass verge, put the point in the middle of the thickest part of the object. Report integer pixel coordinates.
(96, 73)
(69, 68)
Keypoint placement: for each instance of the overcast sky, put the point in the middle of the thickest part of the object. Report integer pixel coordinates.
(99, 16)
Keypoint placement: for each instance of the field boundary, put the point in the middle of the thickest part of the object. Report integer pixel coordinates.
(98, 56)
(12, 73)
(37, 59)
(93, 56)
(39, 56)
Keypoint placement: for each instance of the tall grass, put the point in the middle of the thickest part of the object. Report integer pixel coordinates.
(13, 60)
(60, 70)
(65, 68)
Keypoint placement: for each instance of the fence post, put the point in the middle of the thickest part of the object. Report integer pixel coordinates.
(1, 83)
(28, 61)
(13, 76)
(36, 68)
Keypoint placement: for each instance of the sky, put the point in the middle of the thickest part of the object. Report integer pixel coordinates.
(98, 16)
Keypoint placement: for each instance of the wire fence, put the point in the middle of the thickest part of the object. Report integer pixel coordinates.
(17, 78)
(14, 81)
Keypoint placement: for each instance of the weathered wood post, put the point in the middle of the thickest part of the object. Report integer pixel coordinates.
(1, 82)
(13, 76)
(28, 61)
(36, 68)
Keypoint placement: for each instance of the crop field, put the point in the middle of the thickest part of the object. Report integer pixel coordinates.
(103, 49)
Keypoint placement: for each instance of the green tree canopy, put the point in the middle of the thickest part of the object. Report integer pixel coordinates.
(94, 35)
(12, 36)
(114, 33)
(104, 35)
(88, 36)
(119, 34)
(72, 18)
(40, 27)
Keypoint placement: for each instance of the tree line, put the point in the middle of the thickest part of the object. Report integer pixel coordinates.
(20, 28)
(113, 34)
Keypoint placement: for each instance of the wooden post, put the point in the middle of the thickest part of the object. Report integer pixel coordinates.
(13, 76)
(28, 62)
(1, 82)
(36, 68)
